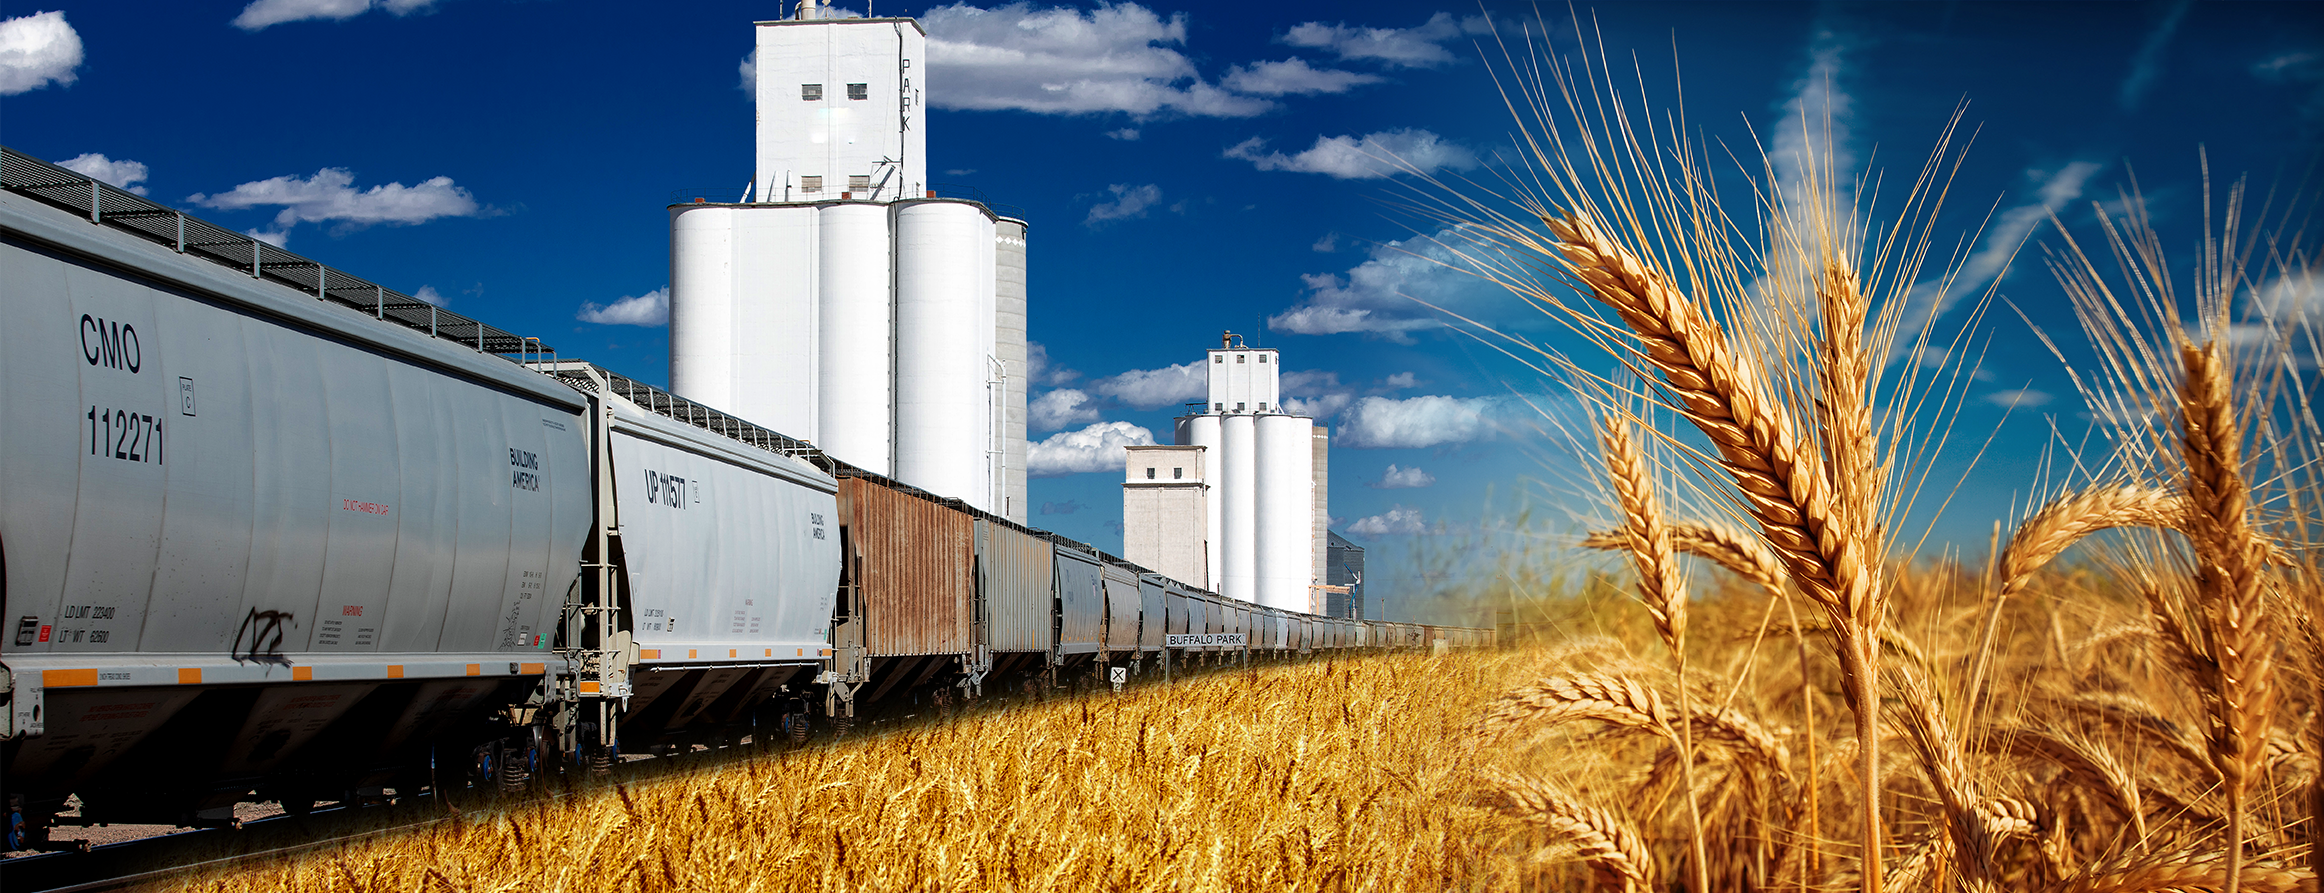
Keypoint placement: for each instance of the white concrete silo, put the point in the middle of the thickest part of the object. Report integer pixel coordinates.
(1238, 476)
(1285, 505)
(776, 268)
(1009, 321)
(858, 404)
(702, 325)
(1204, 431)
(944, 339)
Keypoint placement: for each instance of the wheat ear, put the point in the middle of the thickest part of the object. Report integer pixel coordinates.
(1784, 489)
(2230, 561)
(2057, 526)
(1609, 844)
(1661, 588)
(1740, 553)
(1608, 699)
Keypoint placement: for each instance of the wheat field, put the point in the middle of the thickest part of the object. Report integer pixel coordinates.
(1349, 774)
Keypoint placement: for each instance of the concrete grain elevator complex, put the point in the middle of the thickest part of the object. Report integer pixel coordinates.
(841, 301)
(1237, 505)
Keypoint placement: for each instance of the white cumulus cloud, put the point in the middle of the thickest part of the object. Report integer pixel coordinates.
(1387, 422)
(38, 50)
(1119, 57)
(1098, 447)
(749, 69)
(1419, 47)
(1129, 201)
(429, 295)
(1156, 388)
(1397, 521)
(649, 309)
(1368, 157)
(263, 14)
(1061, 408)
(123, 173)
(1293, 76)
(330, 195)
(1402, 478)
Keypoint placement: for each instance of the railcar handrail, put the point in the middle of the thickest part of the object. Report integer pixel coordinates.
(112, 206)
(584, 376)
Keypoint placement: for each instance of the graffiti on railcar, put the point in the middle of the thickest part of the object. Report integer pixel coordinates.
(259, 640)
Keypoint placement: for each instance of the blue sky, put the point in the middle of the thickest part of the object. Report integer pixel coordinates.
(1187, 168)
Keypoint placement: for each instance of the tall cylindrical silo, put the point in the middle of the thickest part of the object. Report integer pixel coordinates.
(777, 311)
(858, 405)
(988, 310)
(943, 335)
(1285, 505)
(1237, 487)
(702, 324)
(1204, 431)
(1320, 531)
(1009, 323)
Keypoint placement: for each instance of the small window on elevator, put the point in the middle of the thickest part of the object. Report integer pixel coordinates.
(1177, 474)
(859, 91)
(1262, 359)
(1218, 358)
(1242, 358)
(1149, 474)
(811, 92)
(810, 184)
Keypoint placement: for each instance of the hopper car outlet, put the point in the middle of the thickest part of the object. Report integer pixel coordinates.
(400, 549)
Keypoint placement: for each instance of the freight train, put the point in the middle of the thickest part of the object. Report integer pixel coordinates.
(270, 531)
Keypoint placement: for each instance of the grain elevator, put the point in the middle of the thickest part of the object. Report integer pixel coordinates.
(841, 300)
(1253, 507)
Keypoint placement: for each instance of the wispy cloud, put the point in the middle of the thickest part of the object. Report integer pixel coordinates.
(1119, 57)
(263, 14)
(2148, 64)
(1402, 478)
(1129, 201)
(1382, 296)
(2019, 397)
(1293, 76)
(1417, 47)
(1368, 157)
(1930, 299)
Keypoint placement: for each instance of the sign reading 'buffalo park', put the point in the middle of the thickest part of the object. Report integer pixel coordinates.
(1202, 640)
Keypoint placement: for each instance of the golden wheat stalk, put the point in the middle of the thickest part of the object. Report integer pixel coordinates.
(2231, 561)
(1660, 587)
(1610, 845)
(1784, 488)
